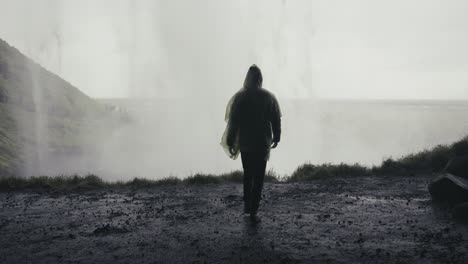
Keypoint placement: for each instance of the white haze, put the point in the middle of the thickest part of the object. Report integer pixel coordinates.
(186, 58)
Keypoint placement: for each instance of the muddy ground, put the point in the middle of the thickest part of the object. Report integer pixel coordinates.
(359, 220)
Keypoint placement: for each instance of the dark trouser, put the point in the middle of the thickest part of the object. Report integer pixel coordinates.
(254, 164)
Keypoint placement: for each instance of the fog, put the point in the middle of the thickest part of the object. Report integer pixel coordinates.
(175, 64)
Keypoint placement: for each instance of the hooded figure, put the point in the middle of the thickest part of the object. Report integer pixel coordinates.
(253, 127)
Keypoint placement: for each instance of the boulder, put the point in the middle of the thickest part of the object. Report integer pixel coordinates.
(458, 166)
(449, 188)
(460, 212)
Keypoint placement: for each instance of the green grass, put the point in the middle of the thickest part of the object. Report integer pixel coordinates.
(307, 172)
(9, 145)
(91, 181)
(425, 162)
(48, 182)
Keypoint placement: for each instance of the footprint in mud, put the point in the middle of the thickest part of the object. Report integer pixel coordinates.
(108, 229)
(231, 200)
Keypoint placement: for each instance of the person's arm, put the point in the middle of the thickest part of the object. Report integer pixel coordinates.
(275, 120)
(233, 125)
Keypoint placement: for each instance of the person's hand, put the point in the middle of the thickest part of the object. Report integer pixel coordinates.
(274, 145)
(232, 151)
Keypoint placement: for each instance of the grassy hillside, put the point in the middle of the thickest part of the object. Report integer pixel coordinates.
(33, 99)
(9, 150)
(428, 161)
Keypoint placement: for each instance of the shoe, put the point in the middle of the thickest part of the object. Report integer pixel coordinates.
(253, 213)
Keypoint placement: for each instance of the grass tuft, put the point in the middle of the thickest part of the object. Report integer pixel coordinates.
(47, 182)
(203, 179)
(307, 172)
(427, 161)
(141, 182)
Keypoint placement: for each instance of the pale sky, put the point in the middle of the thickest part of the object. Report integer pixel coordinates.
(411, 49)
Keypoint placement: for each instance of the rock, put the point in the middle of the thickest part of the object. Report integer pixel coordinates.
(458, 166)
(460, 212)
(449, 188)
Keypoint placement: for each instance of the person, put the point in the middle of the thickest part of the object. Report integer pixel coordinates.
(254, 127)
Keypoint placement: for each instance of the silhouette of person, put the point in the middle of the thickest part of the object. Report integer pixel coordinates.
(254, 127)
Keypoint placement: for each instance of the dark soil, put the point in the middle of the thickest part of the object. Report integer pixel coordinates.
(358, 220)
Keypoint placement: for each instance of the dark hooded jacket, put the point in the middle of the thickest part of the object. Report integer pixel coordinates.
(255, 115)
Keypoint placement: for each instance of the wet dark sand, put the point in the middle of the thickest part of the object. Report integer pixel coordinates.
(359, 220)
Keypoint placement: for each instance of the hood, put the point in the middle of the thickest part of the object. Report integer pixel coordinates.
(254, 78)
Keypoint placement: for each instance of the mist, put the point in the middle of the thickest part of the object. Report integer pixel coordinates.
(173, 66)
